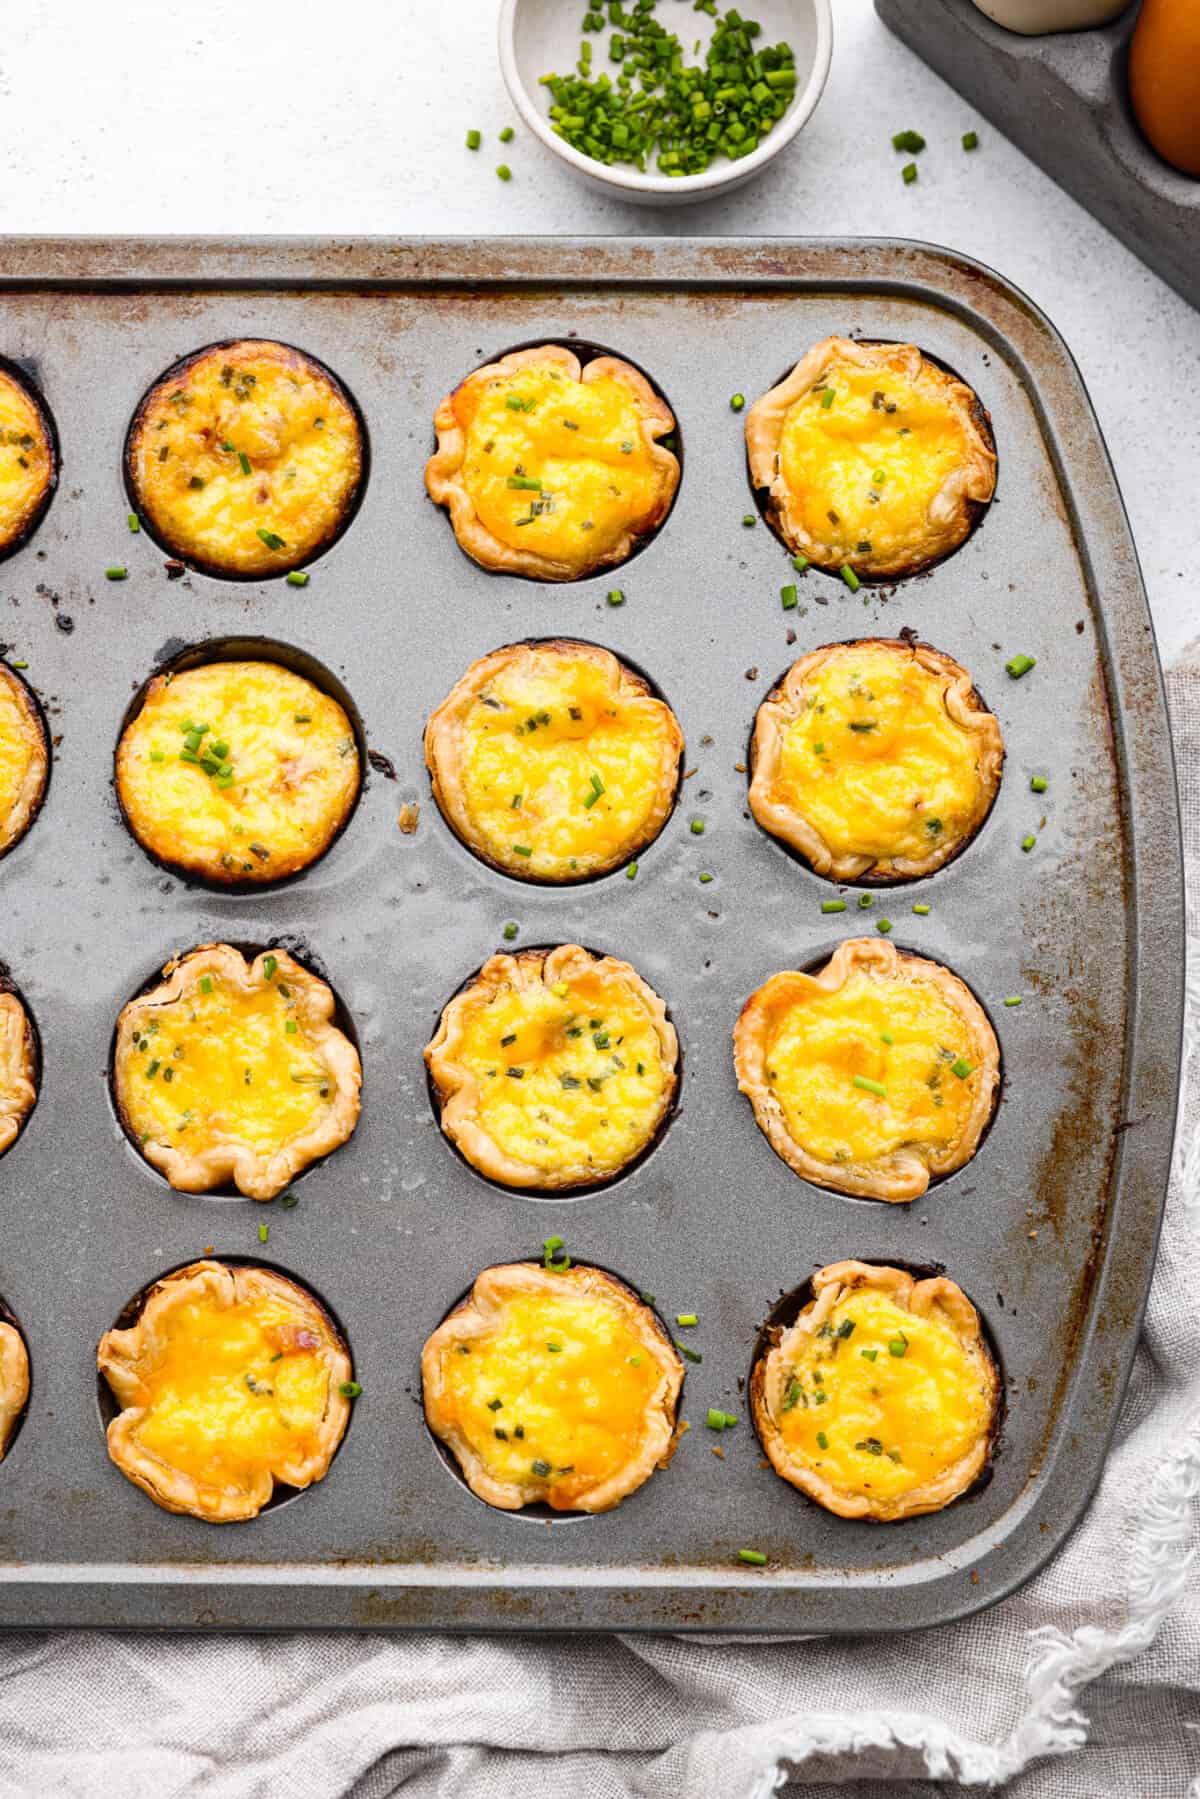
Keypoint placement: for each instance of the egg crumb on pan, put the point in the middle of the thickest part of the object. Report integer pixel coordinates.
(872, 457)
(553, 1068)
(556, 1387)
(14, 1381)
(28, 461)
(875, 759)
(871, 1076)
(235, 1070)
(230, 1380)
(552, 468)
(882, 1400)
(245, 458)
(553, 761)
(24, 758)
(18, 1068)
(237, 771)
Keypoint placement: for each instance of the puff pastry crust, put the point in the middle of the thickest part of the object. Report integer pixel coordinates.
(229, 1382)
(255, 790)
(552, 468)
(235, 1070)
(552, 1387)
(245, 458)
(28, 462)
(882, 1400)
(14, 1381)
(24, 759)
(872, 457)
(552, 761)
(553, 1069)
(18, 1068)
(875, 760)
(873, 1076)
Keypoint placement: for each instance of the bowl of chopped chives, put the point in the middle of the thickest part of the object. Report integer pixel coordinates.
(665, 101)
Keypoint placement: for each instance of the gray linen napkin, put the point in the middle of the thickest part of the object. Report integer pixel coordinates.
(1083, 1685)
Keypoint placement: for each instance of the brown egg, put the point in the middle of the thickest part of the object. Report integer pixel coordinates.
(1164, 79)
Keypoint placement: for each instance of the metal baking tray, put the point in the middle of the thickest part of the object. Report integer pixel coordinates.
(1064, 100)
(1051, 1228)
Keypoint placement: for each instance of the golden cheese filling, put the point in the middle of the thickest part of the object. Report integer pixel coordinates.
(875, 763)
(567, 1074)
(22, 758)
(556, 1393)
(557, 466)
(232, 1389)
(26, 460)
(560, 773)
(224, 1065)
(876, 1065)
(246, 458)
(864, 454)
(878, 1401)
(239, 771)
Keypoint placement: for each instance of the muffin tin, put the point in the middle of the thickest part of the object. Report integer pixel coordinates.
(1051, 1228)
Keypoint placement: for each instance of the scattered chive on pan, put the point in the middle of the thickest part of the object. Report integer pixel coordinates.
(1013, 1000)
(509, 931)
(799, 563)
(787, 597)
(503, 171)
(908, 173)
(297, 578)
(970, 140)
(1038, 784)
(616, 597)
(850, 578)
(1027, 843)
(116, 573)
(833, 905)
(135, 523)
(912, 141)
(736, 403)
(697, 827)
(1020, 665)
(883, 926)
(754, 1557)
(474, 139)
(921, 911)
(507, 135)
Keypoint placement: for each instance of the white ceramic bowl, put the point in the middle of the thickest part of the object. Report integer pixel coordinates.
(538, 37)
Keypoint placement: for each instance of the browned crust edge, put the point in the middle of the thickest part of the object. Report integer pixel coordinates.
(14, 1381)
(954, 510)
(474, 1318)
(256, 1175)
(922, 1298)
(18, 1069)
(32, 791)
(786, 702)
(121, 1358)
(446, 486)
(445, 733)
(458, 1089)
(235, 350)
(904, 1174)
(23, 527)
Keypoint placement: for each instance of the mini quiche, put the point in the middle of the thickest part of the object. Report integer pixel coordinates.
(872, 1076)
(18, 1068)
(551, 468)
(875, 760)
(237, 771)
(14, 1381)
(882, 1400)
(553, 1068)
(231, 1379)
(24, 758)
(872, 458)
(28, 462)
(235, 1070)
(553, 761)
(245, 459)
(550, 1386)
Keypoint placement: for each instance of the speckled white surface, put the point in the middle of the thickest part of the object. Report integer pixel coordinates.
(163, 118)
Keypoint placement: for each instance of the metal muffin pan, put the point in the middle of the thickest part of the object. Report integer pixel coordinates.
(1051, 1228)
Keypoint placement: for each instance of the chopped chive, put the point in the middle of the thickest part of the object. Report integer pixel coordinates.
(350, 1389)
(1014, 1000)
(135, 523)
(687, 1318)
(1020, 665)
(509, 931)
(245, 462)
(736, 402)
(297, 578)
(827, 399)
(631, 872)
(822, 1440)
(865, 902)
(270, 964)
(264, 1230)
(116, 573)
(799, 563)
(850, 578)
(754, 1557)
(961, 1067)
(883, 926)
(908, 173)
(970, 140)
(697, 827)
(616, 597)
(868, 1355)
(506, 136)
(206, 983)
(920, 910)
(522, 849)
(716, 1420)
(272, 539)
(833, 905)
(886, 1037)
(474, 139)
(503, 171)
(869, 1086)
(291, 1027)
(705, 878)
(879, 477)
(749, 518)
(689, 1355)
(1038, 784)
(787, 597)
(1027, 843)
(908, 140)
(898, 1344)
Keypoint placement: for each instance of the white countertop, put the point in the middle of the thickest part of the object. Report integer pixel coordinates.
(158, 118)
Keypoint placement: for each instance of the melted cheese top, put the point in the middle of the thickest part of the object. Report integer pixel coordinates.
(893, 1403)
(901, 1035)
(572, 1378)
(557, 466)
(248, 459)
(875, 763)
(20, 743)
(284, 783)
(234, 1389)
(221, 1066)
(567, 1075)
(875, 464)
(26, 460)
(556, 764)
